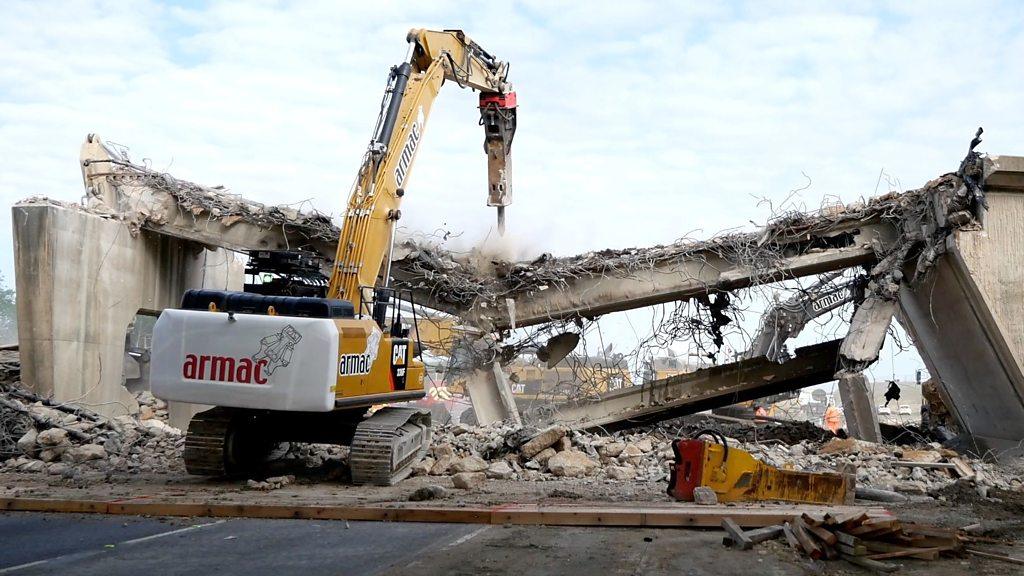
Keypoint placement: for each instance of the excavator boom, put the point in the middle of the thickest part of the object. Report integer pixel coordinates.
(307, 369)
(373, 207)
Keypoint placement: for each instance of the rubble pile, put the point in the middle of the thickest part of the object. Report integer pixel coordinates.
(67, 441)
(503, 451)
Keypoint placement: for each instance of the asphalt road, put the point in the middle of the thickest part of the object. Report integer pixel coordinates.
(73, 545)
(84, 545)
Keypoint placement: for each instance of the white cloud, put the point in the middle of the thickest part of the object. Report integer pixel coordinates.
(639, 121)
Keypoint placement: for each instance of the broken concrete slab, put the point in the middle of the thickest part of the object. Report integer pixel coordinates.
(704, 389)
(858, 407)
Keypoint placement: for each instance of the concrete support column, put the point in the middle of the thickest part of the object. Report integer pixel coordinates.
(967, 317)
(81, 279)
(858, 407)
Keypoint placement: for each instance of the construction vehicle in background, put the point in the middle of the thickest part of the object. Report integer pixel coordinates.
(785, 320)
(286, 366)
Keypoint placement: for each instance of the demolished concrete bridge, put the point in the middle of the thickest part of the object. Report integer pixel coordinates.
(147, 220)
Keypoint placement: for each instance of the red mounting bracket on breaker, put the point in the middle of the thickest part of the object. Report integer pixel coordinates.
(498, 117)
(687, 469)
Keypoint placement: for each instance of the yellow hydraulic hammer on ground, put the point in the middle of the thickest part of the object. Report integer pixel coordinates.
(735, 475)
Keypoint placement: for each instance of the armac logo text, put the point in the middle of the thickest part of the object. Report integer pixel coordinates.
(224, 369)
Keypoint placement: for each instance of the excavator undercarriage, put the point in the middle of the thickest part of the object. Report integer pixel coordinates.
(237, 441)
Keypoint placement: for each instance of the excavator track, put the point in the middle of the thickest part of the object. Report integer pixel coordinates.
(387, 444)
(204, 442)
(219, 442)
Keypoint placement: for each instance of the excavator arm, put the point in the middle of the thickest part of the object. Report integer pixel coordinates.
(371, 216)
(788, 318)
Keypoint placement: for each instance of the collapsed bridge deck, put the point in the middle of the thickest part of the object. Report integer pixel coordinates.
(72, 329)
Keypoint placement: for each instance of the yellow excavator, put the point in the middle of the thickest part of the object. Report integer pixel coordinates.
(308, 369)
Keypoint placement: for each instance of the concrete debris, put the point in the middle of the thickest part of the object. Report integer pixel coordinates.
(442, 464)
(645, 456)
(571, 463)
(543, 440)
(468, 480)
(86, 452)
(432, 492)
(544, 455)
(70, 442)
(28, 443)
(52, 437)
(272, 483)
(422, 468)
(620, 472)
(63, 440)
(501, 470)
(471, 463)
(704, 496)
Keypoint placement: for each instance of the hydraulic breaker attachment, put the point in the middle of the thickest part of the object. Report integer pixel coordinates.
(498, 117)
(736, 476)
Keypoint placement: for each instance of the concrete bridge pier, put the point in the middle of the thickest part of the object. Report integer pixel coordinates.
(967, 317)
(81, 279)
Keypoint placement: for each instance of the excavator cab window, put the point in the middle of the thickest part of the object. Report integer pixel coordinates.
(387, 309)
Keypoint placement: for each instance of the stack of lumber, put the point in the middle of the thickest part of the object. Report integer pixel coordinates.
(857, 537)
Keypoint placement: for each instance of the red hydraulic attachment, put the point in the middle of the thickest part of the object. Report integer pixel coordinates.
(735, 475)
(498, 117)
(687, 470)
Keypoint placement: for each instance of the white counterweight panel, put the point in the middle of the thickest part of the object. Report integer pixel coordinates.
(245, 360)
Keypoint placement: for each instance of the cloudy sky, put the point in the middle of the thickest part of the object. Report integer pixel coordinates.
(639, 122)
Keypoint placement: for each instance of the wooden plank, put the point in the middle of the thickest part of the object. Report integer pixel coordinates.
(736, 534)
(852, 520)
(876, 526)
(809, 546)
(871, 564)
(48, 505)
(928, 530)
(762, 534)
(811, 522)
(919, 553)
(787, 531)
(847, 539)
(823, 535)
(858, 550)
(757, 536)
(1001, 557)
(886, 547)
(942, 543)
(673, 515)
(962, 468)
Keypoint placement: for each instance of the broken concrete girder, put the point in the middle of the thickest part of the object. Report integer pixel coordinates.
(867, 333)
(704, 389)
(609, 281)
(883, 232)
(861, 417)
(146, 198)
(491, 394)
